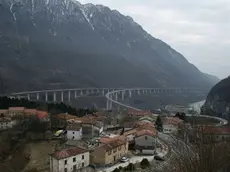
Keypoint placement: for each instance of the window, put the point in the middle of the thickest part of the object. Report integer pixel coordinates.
(65, 169)
(83, 157)
(83, 164)
(73, 132)
(146, 138)
(74, 159)
(119, 148)
(74, 168)
(65, 162)
(73, 137)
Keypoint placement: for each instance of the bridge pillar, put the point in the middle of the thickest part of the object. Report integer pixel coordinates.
(81, 92)
(92, 91)
(103, 92)
(54, 97)
(19, 97)
(69, 96)
(62, 96)
(28, 96)
(122, 95)
(138, 92)
(87, 91)
(109, 105)
(38, 96)
(75, 94)
(116, 96)
(130, 93)
(46, 97)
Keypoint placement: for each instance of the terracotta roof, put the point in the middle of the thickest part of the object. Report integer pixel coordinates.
(66, 116)
(215, 130)
(42, 114)
(113, 143)
(172, 121)
(17, 108)
(69, 152)
(138, 113)
(144, 125)
(34, 111)
(74, 126)
(152, 133)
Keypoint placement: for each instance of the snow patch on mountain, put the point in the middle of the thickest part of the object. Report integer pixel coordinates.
(87, 19)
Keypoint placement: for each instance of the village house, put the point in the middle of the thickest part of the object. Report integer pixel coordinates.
(16, 111)
(69, 160)
(212, 133)
(171, 124)
(109, 151)
(30, 112)
(74, 131)
(61, 120)
(4, 112)
(137, 113)
(6, 123)
(145, 141)
(147, 119)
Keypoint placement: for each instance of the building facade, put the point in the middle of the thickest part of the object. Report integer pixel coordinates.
(69, 160)
(74, 131)
(16, 111)
(109, 152)
(145, 142)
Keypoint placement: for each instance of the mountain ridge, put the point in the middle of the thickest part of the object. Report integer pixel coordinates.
(62, 43)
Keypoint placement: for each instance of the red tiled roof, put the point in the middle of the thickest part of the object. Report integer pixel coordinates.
(138, 113)
(17, 108)
(215, 130)
(34, 111)
(172, 121)
(69, 152)
(66, 116)
(144, 125)
(42, 114)
(144, 132)
(74, 126)
(111, 143)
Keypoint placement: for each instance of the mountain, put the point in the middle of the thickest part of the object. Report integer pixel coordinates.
(212, 78)
(218, 100)
(62, 43)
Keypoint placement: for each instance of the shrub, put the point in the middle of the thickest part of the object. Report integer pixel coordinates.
(130, 167)
(116, 170)
(145, 163)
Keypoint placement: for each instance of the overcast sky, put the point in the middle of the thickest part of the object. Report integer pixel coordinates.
(199, 29)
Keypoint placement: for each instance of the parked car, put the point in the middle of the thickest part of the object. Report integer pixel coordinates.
(124, 159)
(159, 158)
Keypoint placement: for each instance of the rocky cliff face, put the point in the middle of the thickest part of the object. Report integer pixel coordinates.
(218, 100)
(62, 43)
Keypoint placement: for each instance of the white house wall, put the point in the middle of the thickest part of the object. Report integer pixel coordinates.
(74, 135)
(142, 141)
(59, 165)
(169, 129)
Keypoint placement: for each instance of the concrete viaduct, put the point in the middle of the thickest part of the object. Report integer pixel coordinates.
(114, 96)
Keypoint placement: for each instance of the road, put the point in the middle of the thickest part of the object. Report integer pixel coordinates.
(133, 160)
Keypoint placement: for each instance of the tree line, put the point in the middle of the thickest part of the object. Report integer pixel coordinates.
(54, 108)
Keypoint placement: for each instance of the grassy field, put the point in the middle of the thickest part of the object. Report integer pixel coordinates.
(40, 155)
